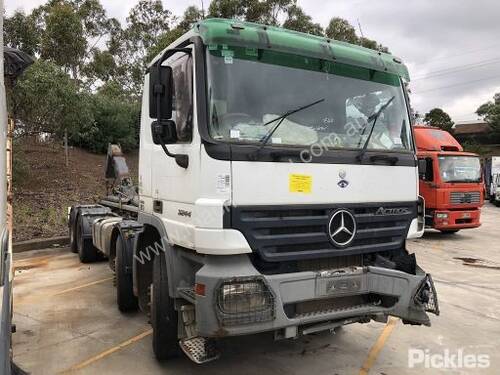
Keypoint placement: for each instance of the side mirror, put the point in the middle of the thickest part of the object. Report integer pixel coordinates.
(164, 132)
(422, 167)
(160, 92)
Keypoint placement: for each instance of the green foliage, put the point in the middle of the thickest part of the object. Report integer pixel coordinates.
(115, 121)
(93, 18)
(20, 169)
(232, 9)
(102, 66)
(475, 147)
(46, 99)
(490, 111)
(192, 14)
(146, 23)
(439, 118)
(299, 21)
(164, 41)
(63, 40)
(340, 29)
(262, 11)
(372, 44)
(22, 32)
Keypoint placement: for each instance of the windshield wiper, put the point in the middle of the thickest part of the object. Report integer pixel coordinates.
(280, 120)
(373, 117)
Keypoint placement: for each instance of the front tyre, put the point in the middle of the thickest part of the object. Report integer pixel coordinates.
(125, 298)
(163, 313)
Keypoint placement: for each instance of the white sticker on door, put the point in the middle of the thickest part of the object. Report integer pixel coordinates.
(223, 183)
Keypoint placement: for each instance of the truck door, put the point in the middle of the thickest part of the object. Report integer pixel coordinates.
(174, 188)
(427, 182)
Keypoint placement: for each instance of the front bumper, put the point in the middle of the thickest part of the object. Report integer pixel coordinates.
(307, 298)
(460, 219)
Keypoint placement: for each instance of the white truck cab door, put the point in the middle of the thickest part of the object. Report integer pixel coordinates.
(174, 188)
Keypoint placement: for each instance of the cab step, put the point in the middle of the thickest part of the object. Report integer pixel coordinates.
(200, 349)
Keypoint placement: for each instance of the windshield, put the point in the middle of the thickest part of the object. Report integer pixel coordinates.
(459, 168)
(248, 88)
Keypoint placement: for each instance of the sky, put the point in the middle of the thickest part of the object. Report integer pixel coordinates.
(451, 47)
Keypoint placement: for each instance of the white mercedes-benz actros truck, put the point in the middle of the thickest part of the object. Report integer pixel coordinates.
(277, 187)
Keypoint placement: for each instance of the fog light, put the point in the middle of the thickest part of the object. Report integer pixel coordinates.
(441, 215)
(245, 301)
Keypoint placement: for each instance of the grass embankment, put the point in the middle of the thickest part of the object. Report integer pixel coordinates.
(44, 187)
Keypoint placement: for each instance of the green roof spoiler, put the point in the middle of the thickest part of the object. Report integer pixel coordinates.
(253, 35)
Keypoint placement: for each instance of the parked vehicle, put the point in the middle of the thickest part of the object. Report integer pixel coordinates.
(452, 185)
(491, 178)
(495, 189)
(252, 213)
(12, 63)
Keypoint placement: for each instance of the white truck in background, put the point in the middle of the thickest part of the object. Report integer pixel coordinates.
(278, 184)
(492, 178)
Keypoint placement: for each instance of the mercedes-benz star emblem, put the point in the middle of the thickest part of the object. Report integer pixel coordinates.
(342, 228)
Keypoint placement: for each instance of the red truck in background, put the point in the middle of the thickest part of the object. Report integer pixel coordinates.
(452, 184)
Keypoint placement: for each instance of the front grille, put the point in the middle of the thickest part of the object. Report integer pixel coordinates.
(281, 233)
(457, 197)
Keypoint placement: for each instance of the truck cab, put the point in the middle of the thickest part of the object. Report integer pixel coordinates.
(278, 184)
(452, 184)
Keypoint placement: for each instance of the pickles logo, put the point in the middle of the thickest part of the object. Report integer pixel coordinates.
(392, 211)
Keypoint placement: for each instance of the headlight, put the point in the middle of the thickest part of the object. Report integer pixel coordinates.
(441, 215)
(245, 301)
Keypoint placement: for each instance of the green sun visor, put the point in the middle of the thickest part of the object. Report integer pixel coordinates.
(266, 56)
(255, 37)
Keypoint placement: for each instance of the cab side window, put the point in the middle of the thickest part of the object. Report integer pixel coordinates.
(429, 172)
(182, 95)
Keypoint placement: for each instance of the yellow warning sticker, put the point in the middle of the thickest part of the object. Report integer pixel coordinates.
(300, 183)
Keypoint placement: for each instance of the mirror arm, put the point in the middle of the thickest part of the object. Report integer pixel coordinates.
(182, 160)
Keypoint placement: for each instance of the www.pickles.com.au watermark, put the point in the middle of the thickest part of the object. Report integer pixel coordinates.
(447, 359)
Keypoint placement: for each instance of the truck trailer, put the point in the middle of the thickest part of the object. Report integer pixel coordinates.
(452, 184)
(278, 184)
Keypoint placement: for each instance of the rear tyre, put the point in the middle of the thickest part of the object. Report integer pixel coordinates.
(86, 250)
(449, 231)
(125, 298)
(163, 313)
(72, 239)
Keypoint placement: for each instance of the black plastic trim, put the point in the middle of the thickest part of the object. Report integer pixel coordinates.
(232, 152)
(295, 232)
